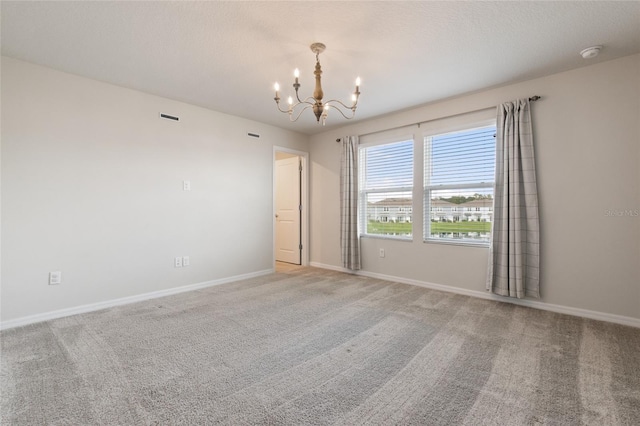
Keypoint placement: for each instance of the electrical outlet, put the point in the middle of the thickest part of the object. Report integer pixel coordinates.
(178, 262)
(185, 261)
(55, 277)
(186, 185)
(381, 252)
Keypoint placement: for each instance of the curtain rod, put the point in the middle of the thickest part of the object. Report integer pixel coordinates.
(531, 99)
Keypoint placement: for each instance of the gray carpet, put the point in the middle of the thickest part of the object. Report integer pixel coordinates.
(309, 346)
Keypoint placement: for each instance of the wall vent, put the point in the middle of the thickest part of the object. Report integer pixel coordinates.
(253, 135)
(169, 117)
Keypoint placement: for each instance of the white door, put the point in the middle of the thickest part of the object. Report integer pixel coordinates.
(288, 210)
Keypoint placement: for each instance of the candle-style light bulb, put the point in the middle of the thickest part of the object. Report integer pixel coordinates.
(290, 100)
(354, 98)
(296, 84)
(276, 87)
(357, 81)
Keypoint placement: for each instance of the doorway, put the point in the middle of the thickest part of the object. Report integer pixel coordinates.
(290, 212)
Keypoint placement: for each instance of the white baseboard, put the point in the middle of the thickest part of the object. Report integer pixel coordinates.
(333, 268)
(31, 319)
(585, 313)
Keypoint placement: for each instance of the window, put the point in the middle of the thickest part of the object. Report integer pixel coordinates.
(386, 182)
(459, 173)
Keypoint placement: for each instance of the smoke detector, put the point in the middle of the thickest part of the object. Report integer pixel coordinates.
(590, 52)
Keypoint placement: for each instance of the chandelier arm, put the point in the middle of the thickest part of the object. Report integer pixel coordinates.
(292, 107)
(343, 114)
(310, 104)
(352, 109)
(280, 109)
(299, 113)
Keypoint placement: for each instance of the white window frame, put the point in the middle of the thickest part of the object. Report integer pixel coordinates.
(362, 196)
(426, 150)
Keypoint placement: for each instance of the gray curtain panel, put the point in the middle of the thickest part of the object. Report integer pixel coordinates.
(514, 258)
(349, 241)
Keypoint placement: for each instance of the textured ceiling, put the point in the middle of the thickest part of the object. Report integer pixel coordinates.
(226, 55)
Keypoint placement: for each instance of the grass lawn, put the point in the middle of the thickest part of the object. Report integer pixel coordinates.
(436, 227)
(389, 228)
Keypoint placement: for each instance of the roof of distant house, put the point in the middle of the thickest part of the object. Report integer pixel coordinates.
(407, 202)
(393, 202)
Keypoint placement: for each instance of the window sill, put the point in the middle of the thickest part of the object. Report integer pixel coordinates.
(387, 237)
(456, 243)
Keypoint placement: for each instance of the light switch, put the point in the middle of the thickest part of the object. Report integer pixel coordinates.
(55, 277)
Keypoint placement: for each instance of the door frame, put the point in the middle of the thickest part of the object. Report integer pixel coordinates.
(304, 199)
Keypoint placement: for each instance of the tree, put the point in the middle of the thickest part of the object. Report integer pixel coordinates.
(461, 199)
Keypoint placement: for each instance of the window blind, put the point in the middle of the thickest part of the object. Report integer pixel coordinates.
(462, 157)
(388, 166)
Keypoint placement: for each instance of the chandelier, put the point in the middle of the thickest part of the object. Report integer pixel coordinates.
(320, 109)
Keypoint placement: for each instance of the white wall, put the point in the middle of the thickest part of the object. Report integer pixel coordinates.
(92, 186)
(587, 136)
